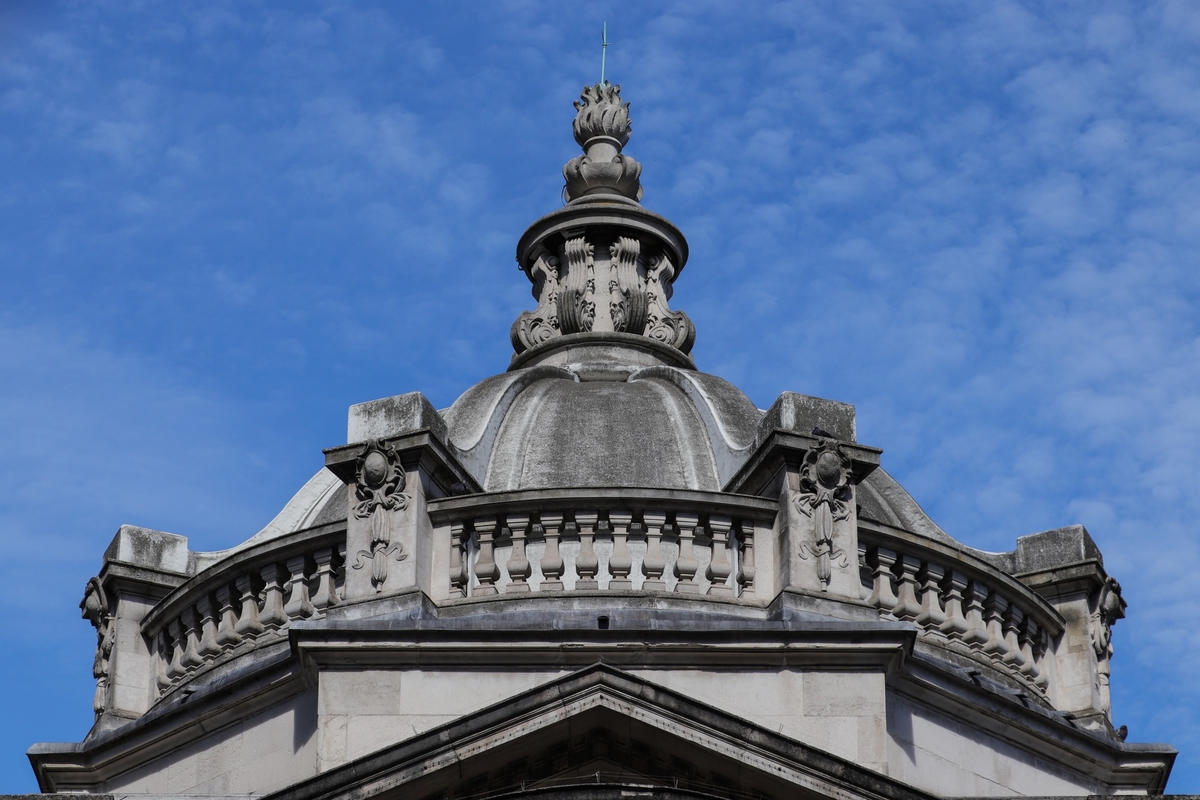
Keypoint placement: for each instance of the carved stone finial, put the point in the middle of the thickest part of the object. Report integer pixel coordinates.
(602, 129)
(600, 112)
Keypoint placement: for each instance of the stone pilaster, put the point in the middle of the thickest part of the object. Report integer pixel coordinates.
(141, 566)
(1066, 567)
(400, 460)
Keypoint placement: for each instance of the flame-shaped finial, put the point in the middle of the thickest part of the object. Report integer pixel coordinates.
(602, 128)
(600, 112)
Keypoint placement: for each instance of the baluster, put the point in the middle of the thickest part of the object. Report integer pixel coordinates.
(179, 644)
(326, 596)
(1040, 677)
(932, 616)
(881, 560)
(486, 571)
(1026, 635)
(172, 669)
(907, 607)
(620, 562)
(552, 563)
(207, 648)
(298, 605)
(995, 645)
(719, 568)
(272, 616)
(191, 657)
(654, 563)
(518, 565)
(746, 567)
(977, 632)
(176, 669)
(227, 635)
(1012, 622)
(248, 623)
(459, 577)
(586, 563)
(955, 625)
(686, 525)
(604, 534)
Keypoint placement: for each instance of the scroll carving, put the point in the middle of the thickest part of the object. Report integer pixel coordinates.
(576, 305)
(627, 286)
(663, 324)
(96, 610)
(537, 326)
(1108, 608)
(825, 495)
(379, 490)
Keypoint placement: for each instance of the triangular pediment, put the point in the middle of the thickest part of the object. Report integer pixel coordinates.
(599, 727)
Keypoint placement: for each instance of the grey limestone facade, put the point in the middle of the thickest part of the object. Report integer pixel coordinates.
(602, 573)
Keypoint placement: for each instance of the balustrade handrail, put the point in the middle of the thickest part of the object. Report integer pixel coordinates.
(871, 534)
(603, 499)
(332, 534)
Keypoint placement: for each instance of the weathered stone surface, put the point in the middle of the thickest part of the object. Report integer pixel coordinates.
(806, 415)
(393, 416)
(1057, 548)
(150, 549)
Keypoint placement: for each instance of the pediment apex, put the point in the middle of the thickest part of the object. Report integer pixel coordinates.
(539, 739)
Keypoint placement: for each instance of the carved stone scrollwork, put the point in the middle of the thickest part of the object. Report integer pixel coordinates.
(577, 305)
(537, 326)
(379, 490)
(627, 286)
(1108, 607)
(96, 610)
(825, 495)
(663, 324)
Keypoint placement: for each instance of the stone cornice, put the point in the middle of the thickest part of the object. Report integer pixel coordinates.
(986, 706)
(780, 447)
(417, 448)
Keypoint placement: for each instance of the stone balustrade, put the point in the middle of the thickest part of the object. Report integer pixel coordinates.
(682, 543)
(960, 603)
(687, 543)
(244, 601)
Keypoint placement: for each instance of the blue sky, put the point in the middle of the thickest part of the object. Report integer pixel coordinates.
(221, 224)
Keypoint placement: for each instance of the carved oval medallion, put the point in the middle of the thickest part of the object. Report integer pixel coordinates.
(375, 469)
(829, 469)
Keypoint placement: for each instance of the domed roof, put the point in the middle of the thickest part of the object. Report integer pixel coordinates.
(603, 411)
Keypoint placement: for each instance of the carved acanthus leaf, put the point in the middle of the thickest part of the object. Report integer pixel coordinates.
(585, 175)
(577, 305)
(627, 287)
(540, 325)
(663, 324)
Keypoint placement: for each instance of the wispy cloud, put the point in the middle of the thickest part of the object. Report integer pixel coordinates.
(978, 223)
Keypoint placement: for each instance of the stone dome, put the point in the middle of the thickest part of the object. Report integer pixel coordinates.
(603, 410)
